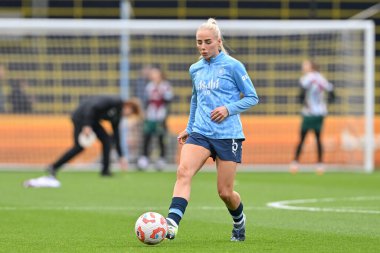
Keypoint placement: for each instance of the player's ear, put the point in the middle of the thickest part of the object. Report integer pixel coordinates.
(219, 44)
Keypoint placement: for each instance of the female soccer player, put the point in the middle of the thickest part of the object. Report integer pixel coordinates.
(214, 128)
(86, 120)
(313, 86)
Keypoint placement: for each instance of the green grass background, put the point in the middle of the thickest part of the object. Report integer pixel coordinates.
(93, 214)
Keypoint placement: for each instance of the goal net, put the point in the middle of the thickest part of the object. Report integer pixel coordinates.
(47, 67)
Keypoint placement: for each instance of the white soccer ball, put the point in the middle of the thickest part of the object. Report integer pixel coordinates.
(86, 141)
(151, 228)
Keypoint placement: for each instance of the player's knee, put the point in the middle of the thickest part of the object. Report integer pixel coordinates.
(225, 194)
(78, 148)
(183, 173)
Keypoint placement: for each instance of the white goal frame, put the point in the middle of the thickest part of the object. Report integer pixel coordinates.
(128, 27)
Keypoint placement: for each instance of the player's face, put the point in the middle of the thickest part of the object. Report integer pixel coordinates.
(207, 43)
(155, 76)
(127, 110)
(306, 67)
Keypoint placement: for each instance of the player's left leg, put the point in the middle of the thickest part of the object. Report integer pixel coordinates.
(161, 162)
(106, 143)
(320, 168)
(226, 177)
(294, 167)
(143, 161)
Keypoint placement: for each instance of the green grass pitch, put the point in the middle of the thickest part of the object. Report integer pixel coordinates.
(93, 214)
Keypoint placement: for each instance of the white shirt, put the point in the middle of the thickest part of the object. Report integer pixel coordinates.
(315, 85)
(157, 97)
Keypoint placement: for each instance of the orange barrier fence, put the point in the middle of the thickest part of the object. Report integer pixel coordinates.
(39, 139)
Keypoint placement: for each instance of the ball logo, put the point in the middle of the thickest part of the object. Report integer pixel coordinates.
(152, 220)
(140, 234)
(162, 220)
(155, 232)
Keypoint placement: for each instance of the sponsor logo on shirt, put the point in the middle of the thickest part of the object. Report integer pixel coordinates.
(210, 85)
(245, 77)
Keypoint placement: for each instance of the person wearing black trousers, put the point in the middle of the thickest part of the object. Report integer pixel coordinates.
(313, 88)
(86, 120)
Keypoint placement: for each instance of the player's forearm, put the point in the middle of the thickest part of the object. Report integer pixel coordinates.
(116, 133)
(242, 105)
(193, 108)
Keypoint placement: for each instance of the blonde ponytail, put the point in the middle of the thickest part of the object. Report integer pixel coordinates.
(213, 26)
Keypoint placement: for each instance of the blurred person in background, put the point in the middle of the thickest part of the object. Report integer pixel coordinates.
(158, 95)
(313, 88)
(141, 83)
(86, 120)
(131, 134)
(2, 84)
(22, 102)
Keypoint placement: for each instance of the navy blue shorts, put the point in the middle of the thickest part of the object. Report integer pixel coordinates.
(225, 149)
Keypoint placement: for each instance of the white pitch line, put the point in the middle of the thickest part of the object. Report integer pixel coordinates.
(289, 205)
(111, 208)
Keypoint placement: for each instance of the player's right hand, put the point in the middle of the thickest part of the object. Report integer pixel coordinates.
(123, 162)
(87, 130)
(182, 137)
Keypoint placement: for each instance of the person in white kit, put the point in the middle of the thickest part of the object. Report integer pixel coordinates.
(314, 86)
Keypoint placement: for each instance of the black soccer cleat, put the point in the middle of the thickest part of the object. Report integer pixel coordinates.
(238, 231)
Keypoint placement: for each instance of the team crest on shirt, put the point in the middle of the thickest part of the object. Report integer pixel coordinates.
(221, 71)
(111, 113)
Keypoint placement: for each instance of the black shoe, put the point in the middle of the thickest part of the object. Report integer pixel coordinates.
(106, 174)
(238, 231)
(51, 171)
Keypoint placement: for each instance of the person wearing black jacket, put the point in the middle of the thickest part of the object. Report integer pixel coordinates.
(86, 120)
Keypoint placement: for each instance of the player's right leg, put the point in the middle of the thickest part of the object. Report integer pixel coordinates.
(51, 181)
(320, 170)
(106, 148)
(191, 161)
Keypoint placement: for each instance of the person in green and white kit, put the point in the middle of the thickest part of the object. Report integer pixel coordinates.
(313, 88)
(158, 95)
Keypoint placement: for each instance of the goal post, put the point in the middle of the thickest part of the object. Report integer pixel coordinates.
(61, 62)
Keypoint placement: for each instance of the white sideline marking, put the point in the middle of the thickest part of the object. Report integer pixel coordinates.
(288, 205)
(111, 208)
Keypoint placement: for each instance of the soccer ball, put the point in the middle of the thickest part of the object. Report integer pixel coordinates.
(151, 228)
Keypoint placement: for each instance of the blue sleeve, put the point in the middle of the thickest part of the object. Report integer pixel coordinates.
(245, 85)
(193, 108)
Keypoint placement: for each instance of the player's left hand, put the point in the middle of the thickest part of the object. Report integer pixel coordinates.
(219, 114)
(123, 162)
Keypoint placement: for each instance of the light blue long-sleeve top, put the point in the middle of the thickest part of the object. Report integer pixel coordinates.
(219, 82)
